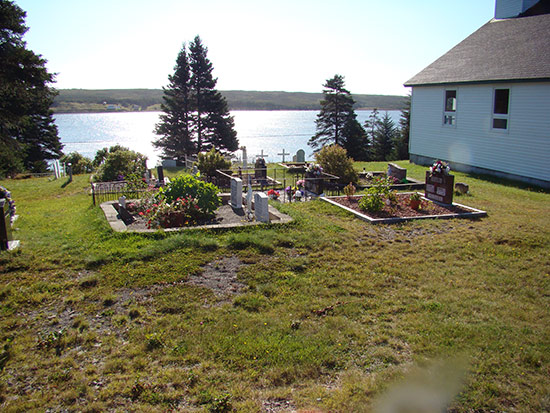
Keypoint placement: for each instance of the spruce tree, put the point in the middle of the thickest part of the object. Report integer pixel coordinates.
(355, 139)
(213, 123)
(401, 143)
(28, 134)
(384, 135)
(336, 111)
(175, 126)
(196, 116)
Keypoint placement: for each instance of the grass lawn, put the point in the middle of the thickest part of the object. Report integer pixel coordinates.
(335, 314)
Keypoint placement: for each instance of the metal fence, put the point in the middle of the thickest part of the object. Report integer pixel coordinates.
(109, 191)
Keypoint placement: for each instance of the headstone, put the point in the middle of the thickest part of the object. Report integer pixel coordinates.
(397, 172)
(462, 188)
(169, 163)
(300, 156)
(160, 173)
(56, 171)
(236, 200)
(260, 170)
(294, 158)
(245, 157)
(439, 187)
(283, 154)
(249, 197)
(261, 207)
(6, 239)
(122, 201)
(70, 170)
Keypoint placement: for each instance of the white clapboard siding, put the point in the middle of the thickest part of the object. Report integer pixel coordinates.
(523, 149)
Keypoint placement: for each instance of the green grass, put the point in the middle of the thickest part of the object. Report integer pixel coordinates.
(334, 315)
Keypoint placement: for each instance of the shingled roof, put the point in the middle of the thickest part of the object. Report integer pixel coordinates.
(501, 50)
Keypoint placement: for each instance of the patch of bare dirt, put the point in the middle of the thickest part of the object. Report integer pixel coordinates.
(220, 276)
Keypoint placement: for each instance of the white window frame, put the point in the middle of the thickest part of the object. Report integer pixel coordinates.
(449, 116)
(503, 116)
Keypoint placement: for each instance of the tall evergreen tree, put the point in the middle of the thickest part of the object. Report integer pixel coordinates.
(336, 111)
(175, 127)
(28, 134)
(356, 142)
(213, 124)
(401, 143)
(384, 137)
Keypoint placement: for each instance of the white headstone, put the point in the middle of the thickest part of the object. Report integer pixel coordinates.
(261, 207)
(249, 197)
(300, 156)
(245, 160)
(56, 169)
(122, 201)
(236, 193)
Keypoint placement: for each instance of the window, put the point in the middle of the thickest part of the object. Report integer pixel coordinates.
(449, 114)
(501, 105)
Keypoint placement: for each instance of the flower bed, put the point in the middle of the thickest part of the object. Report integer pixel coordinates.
(400, 210)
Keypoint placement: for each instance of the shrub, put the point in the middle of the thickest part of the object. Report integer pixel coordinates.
(120, 164)
(376, 195)
(187, 186)
(79, 163)
(208, 162)
(334, 160)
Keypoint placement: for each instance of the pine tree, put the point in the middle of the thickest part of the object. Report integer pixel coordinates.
(401, 143)
(28, 134)
(384, 136)
(355, 138)
(175, 125)
(213, 124)
(196, 116)
(336, 111)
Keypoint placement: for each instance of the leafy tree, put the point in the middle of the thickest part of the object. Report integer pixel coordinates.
(401, 143)
(121, 163)
(196, 116)
(79, 163)
(28, 134)
(336, 121)
(175, 127)
(334, 160)
(213, 124)
(209, 162)
(384, 136)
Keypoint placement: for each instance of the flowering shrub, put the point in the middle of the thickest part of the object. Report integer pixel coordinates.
(186, 186)
(180, 212)
(4, 193)
(440, 167)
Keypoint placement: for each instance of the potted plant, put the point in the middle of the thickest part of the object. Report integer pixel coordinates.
(414, 200)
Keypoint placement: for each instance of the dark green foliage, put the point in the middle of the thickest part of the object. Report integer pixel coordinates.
(28, 135)
(401, 142)
(196, 114)
(175, 127)
(119, 163)
(336, 110)
(209, 162)
(356, 142)
(79, 163)
(184, 186)
(335, 161)
(384, 136)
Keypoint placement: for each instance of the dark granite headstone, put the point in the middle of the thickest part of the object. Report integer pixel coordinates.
(260, 170)
(439, 187)
(160, 173)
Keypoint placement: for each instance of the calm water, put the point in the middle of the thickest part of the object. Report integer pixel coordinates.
(270, 131)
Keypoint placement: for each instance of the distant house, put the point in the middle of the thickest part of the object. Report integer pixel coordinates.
(484, 106)
(112, 107)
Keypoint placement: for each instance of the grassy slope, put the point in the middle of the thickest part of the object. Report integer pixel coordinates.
(403, 297)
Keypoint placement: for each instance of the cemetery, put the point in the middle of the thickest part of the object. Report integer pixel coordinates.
(296, 315)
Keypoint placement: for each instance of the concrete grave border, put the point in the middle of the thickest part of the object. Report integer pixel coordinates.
(474, 213)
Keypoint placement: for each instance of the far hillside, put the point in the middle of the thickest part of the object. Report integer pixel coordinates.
(86, 100)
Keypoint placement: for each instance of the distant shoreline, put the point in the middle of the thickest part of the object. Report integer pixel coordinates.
(149, 100)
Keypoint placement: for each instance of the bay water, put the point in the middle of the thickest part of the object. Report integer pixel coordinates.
(267, 131)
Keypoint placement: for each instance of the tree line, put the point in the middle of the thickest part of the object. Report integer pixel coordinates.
(379, 139)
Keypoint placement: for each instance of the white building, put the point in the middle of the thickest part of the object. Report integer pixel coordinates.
(484, 106)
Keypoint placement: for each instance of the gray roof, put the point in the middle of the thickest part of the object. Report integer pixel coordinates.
(501, 50)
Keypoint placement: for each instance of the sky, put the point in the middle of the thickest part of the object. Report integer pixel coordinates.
(282, 45)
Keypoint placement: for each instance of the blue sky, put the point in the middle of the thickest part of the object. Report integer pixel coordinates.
(283, 45)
